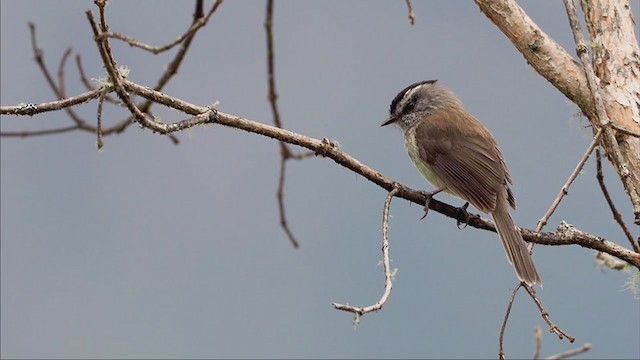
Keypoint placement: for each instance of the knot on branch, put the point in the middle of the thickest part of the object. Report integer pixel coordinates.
(581, 49)
(213, 115)
(26, 109)
(325, 147)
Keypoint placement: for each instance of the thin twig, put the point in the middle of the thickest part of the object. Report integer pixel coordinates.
(616, 215)
(173, 66)
(301, 155)
(386, 262)
(501, 353)
(83, 75)
(582, 349)
(104, 48)
(57, 89)
(412, 15)
(541, 223)
(545, 315)
(24, 134)
(39, 59)
(285, 152)
(625, 131)
(538, 335)
(280, 196)
(99, 140)
(610, 262)
(87, 84)
(199, 21)
(62, 93)
(543, 312)
(63, 104)
(273, 95)
(565, 188)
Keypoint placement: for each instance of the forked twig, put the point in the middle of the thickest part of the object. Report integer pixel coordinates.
(199, 21)
(541, 223)
(285, 153)
(501, 353)
(545, 315)
(538, 334)
(66, 103)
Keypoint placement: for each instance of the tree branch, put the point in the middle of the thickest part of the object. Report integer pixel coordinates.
(386, 262)
(601, 117)
(553, 63)
(545, 55)
(565, 235)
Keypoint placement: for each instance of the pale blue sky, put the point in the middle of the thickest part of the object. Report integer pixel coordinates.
(148, 249)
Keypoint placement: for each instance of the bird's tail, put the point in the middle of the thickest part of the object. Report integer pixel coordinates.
(514, 245)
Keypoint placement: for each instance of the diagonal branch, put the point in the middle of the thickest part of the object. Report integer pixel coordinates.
(553, 63)
(610, 140)
(616, 215)
(564, 235)
(544, 54)
(565, 188)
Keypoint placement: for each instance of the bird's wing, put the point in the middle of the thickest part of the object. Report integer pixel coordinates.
(465, 158)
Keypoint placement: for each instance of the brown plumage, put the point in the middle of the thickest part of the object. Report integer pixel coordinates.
(457, 153)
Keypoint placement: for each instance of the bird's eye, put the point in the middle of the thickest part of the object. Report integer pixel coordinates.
(408, 107)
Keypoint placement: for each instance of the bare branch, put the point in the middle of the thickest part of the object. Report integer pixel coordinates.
(565, 235)
(543, 312)
(99, 141)
(545, 55)
(104, 48)
(285, 152)
(582, 349)
(538, 335)
(604, 122)
(610, 262)
(616, 215)
(281, 209)
(63, 104)
(386, 262)
(195, 26)
(553, 63)
(625, 131)
(87, 84)
(24, 134)
(501, 353)
(202, 115)
(412, 15)
(565, 188)
(545, 315)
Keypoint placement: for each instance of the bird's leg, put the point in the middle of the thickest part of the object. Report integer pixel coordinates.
(427, 199)
(466, 216)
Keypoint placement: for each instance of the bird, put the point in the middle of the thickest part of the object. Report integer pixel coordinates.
(457, 154)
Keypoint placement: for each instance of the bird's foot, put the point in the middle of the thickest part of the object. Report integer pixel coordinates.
(465, 215)
(427, 199)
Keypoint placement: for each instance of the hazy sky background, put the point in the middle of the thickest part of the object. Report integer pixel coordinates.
(147, 249)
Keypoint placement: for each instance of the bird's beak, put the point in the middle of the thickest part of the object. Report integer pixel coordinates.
(390, 120)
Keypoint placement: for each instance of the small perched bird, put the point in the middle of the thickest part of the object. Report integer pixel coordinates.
(458, 155)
